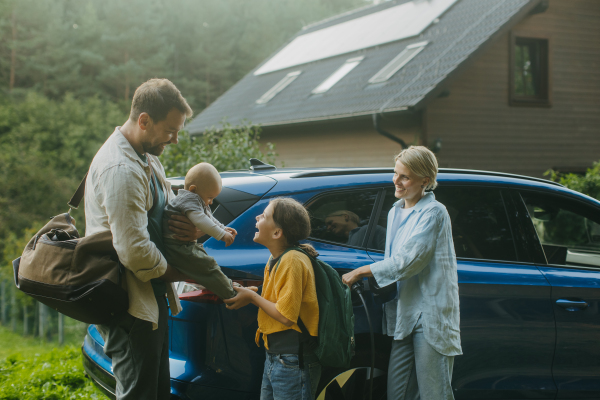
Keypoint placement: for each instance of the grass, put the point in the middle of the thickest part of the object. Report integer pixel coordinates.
(32, 369)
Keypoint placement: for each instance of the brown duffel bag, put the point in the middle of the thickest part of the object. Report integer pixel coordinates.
(78, 277)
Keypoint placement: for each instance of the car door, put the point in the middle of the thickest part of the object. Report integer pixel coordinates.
(340, 222)
(507, 325)
(569, 232)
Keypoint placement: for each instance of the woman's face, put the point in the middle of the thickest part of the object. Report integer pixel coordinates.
(266, 228)
(408, 185)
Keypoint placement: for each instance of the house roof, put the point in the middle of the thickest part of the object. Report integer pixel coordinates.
(451, 38)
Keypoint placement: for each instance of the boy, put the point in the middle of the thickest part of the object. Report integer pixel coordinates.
(202, 185)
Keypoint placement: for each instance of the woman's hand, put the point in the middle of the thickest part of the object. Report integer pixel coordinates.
(183, 227)
(244, 297)
(356, 275)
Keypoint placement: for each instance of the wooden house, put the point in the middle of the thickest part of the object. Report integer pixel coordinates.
(501, 85)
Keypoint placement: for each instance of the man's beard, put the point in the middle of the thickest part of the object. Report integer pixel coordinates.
(155, 150)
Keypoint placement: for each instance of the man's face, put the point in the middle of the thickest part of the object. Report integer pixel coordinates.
(337, 223)
(160, 134)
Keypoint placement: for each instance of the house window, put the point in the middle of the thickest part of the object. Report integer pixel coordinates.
(529, 72)
(398, 62)
(334, 78)
(279, 86)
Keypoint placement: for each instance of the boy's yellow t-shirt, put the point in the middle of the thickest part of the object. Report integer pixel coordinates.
(292, 288)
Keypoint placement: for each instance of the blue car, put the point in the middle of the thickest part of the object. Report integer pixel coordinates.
(529, 281)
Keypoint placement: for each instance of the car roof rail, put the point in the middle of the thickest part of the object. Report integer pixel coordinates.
(258, 165)
(359, 171)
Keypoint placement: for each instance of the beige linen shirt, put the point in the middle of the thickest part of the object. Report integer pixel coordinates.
(117, 198)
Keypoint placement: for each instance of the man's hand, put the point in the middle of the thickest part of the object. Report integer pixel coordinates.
(228, 238)
(244, 297)
(183, 227)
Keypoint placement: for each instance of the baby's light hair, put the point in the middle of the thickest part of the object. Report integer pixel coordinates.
(203, 175)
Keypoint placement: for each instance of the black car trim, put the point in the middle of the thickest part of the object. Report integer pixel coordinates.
(503, 197)
(90, 369)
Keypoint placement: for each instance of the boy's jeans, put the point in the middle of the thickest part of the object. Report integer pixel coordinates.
(284, 380)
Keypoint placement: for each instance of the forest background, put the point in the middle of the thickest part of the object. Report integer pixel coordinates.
(68, 71)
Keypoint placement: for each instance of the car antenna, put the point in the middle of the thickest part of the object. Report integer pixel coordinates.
(257, 165)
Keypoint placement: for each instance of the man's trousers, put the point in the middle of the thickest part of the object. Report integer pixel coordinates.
(140, 355)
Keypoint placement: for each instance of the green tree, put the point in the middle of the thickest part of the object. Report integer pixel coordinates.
(226, 149)
(47, 147)
(106, 48)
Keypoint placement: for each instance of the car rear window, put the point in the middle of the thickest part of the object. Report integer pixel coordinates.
(480, 227)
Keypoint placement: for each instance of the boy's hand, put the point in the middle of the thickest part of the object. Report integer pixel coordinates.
(228, 238)
(231, 230)
(242, 299)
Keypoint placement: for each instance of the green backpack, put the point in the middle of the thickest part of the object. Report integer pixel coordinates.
(335, 343)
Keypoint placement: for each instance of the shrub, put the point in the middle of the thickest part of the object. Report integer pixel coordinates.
(226, 149)
(587, 184)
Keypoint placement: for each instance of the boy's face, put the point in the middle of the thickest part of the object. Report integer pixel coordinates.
(208, 194)
(267, 230)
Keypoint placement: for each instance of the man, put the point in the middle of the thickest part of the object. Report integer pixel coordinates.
(126, 192)
(345, 224)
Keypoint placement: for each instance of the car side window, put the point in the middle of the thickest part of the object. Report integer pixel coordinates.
(568, 230)
(480, 227)
(342, 217)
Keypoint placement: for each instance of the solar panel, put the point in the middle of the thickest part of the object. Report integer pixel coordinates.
(341, 72)
(398, 62)
(394, 23)
(279, 86)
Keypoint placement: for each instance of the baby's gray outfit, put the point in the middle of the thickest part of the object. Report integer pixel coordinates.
(190, 258)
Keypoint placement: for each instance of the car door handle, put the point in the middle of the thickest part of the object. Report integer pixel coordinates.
(571, 305)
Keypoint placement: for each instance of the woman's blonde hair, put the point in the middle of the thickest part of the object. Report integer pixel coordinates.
(422, 162)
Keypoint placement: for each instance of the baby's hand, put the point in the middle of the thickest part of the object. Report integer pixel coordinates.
(228, 238)
(231, 230)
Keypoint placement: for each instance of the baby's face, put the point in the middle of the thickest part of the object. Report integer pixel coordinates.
(209, 192)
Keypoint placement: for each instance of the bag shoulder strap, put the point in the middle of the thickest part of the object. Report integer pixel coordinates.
(156, 183)
(78, 195)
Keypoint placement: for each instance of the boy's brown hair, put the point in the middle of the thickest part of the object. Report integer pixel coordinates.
(294, 221)
(157, 97)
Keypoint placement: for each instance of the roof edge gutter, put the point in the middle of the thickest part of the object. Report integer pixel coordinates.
(376, 117)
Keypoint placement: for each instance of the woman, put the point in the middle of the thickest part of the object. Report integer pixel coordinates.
(419, 256)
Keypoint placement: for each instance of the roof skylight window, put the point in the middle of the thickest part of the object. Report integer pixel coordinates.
(341, 72)
(398, 62)
(279, 86)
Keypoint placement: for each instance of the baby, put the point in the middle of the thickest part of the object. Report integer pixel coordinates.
(202, 185)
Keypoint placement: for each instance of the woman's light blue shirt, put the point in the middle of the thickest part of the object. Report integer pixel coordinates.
(420, 257)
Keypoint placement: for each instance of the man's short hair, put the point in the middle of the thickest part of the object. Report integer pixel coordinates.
(157, 97)
(351, 216)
